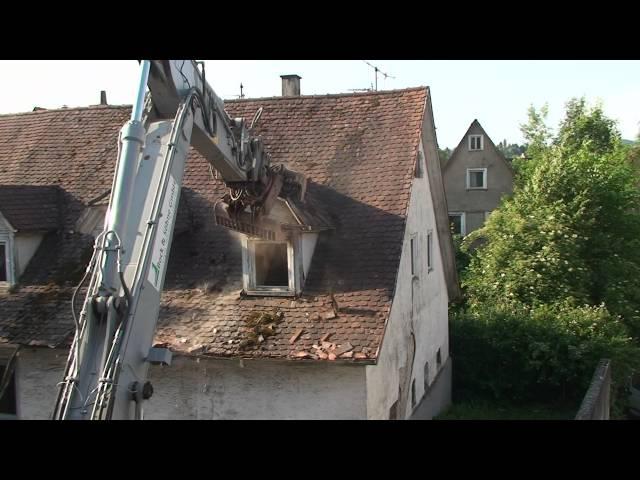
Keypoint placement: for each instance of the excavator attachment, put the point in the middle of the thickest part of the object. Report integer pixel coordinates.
(252, 215)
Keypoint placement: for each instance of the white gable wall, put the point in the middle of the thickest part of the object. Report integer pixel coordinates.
(420, 306)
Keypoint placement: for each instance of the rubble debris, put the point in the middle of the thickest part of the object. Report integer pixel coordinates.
(332, 356)
(260, 326)
(302, 354)
(346, 355)
(330, 315)
(296, 335)
(360, 356)
(343, 348)
(326, 336)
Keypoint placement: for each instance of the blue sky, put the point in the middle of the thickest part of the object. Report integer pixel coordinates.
(497, 93)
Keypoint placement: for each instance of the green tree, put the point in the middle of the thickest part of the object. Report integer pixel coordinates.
(571, 232)
(589, 127)
(444, 155)
(537, 135)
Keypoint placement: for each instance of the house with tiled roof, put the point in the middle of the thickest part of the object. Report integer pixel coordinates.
(359, 329)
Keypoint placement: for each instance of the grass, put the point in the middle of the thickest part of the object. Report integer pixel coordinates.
(485, 411)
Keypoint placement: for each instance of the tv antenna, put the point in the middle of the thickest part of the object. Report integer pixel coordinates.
(377, 70)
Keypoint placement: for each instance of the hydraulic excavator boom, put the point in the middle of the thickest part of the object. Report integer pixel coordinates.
(106, 373)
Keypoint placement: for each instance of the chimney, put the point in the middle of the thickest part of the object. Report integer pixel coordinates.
(103, 97)
(290, 85)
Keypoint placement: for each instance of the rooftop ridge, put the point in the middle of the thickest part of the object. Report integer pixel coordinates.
(330, 95)
(68, 109)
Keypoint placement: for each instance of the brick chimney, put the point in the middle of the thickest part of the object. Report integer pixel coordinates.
(103, 97)
(290, 85)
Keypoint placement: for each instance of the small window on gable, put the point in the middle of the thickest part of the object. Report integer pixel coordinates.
(429, 250)
(418, 171)
(476, 142)
(414, 254)
(476, 178)
(268, 268)
(426, 376)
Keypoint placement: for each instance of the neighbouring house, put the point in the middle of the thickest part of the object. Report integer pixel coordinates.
(358, 322)
(476, 176)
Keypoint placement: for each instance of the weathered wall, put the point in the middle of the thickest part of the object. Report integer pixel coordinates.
(475, 202)
(25, 246)
(438, 396)
(419, 312)
(207, 389)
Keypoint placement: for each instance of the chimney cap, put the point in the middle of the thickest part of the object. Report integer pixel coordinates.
(290, 76)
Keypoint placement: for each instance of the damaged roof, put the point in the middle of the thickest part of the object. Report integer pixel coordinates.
(358, 151)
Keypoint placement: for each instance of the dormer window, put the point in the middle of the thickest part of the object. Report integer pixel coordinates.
(268, 267)
(476, 142)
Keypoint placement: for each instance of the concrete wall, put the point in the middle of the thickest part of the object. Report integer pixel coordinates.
(207, 389)
(26, 245)
(475, 202)
(419, 312)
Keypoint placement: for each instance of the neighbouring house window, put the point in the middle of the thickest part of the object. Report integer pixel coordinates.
(457, 223)
(476, 142)
(430, 251)
(439, 359)
(4, 265)
(476, 178)
(268, 267)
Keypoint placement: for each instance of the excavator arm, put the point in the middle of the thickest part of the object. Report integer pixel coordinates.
(106, 372)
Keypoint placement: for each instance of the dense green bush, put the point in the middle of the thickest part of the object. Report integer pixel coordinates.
(512, 353)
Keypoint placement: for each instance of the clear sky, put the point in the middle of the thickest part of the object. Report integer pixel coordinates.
(497, 93)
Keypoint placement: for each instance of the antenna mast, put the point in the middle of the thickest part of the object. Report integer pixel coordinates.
(376, 69)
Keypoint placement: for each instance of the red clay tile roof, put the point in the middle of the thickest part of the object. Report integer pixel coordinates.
(30, 208)
(358, 151)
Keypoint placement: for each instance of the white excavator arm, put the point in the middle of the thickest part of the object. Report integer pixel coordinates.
(106, 373)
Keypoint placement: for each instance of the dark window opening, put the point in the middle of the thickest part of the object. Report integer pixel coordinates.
(426, 377)
(429, 252)
(413, 255)
(456, 224)
(271, 265)
(3, 262)
(439, 359)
